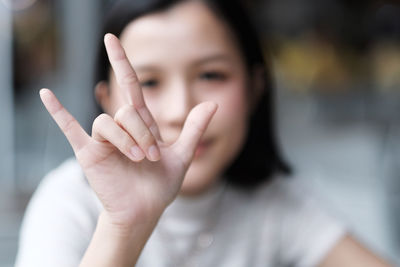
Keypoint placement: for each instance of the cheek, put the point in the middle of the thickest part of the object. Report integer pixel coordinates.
(232, 110)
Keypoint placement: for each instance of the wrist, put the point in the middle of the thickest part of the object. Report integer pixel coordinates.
(125, 222)
(117, 244)
(125, 229)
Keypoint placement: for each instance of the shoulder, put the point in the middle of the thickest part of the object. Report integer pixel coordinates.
(61, 216)
(289, 224)
(307, 230)
(64, 188)
(68, 175)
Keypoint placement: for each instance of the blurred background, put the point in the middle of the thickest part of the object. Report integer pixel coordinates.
(337, 74)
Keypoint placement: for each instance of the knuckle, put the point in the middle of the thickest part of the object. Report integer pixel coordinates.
(99, 120)
(124, 113)
(126, 142)
(129, 79)
(145, 138)
(118, 115)
(68, 125)
(127, 115)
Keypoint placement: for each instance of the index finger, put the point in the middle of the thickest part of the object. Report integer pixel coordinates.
(124, 73)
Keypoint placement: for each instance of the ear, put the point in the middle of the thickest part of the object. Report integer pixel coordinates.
(102, 94)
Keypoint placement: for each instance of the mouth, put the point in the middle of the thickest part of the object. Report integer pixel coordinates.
(202, 147)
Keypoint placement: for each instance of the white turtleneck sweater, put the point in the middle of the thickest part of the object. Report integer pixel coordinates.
(275, 225)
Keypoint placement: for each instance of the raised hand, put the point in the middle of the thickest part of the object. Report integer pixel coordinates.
(133, 172)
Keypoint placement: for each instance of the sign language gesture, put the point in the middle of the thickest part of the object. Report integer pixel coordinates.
(133, 172)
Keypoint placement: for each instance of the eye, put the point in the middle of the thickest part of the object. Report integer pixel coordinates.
(151, 83)
(213, 76)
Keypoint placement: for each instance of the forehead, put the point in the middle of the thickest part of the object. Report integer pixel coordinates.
(189, 29)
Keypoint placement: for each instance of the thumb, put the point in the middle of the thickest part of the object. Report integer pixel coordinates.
(195, 125)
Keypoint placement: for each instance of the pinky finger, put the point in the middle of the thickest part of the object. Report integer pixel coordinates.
(105, 129)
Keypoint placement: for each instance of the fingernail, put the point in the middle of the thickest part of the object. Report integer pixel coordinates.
(154, 153)
(107, 36)
(137, 153)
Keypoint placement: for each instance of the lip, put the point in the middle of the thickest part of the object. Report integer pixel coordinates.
(202, 147)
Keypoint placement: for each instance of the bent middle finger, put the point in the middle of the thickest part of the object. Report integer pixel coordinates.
(129, 118)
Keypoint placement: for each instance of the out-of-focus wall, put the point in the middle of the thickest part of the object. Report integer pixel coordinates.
(7, 239)
(6, 100)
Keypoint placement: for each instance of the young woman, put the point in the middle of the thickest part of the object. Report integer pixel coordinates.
(182, 168)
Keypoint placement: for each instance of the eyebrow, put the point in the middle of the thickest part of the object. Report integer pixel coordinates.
(217, 57)
(201, 61)
(146, 68)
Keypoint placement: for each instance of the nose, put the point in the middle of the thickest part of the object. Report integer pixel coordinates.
(179, 102)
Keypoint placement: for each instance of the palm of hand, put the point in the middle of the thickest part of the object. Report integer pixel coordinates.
(131, 190)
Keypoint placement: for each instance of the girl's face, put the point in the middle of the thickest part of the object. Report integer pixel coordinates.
(184, 56)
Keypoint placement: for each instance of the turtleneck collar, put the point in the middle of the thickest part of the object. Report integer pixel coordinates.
(188, 214)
